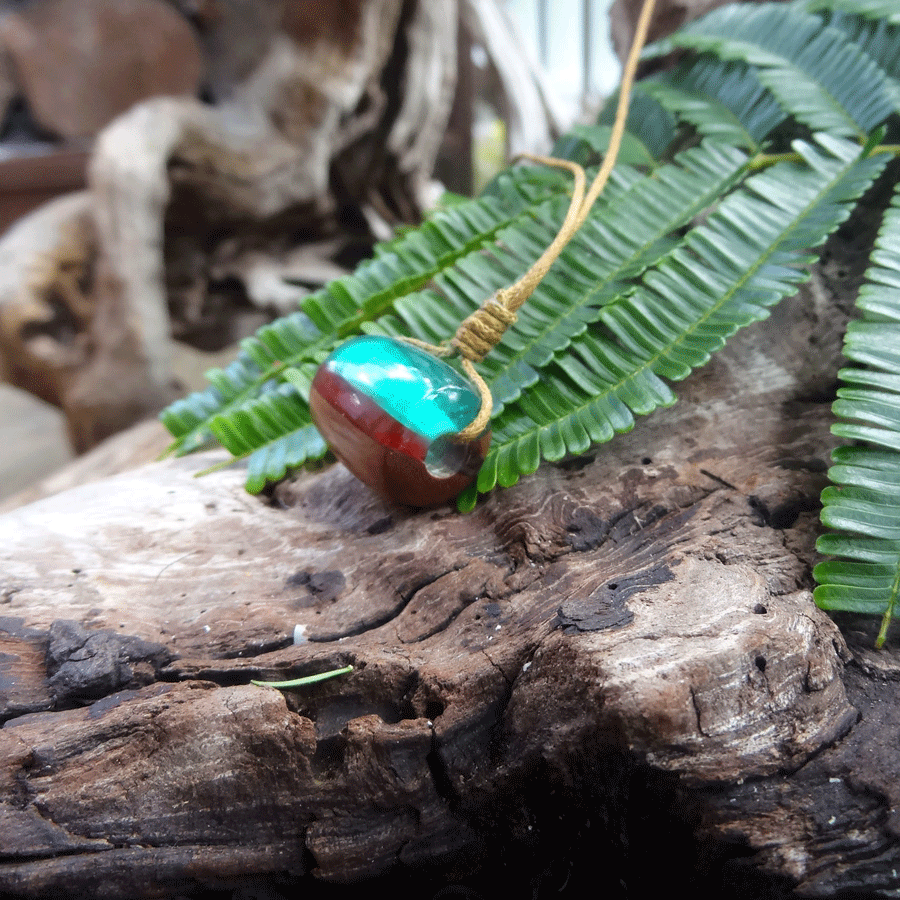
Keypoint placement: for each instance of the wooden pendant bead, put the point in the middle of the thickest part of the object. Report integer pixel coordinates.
(391, 413)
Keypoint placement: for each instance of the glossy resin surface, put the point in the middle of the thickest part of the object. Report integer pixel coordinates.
(390, 413)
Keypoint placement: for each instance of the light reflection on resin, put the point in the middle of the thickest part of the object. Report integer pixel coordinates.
(390, 412)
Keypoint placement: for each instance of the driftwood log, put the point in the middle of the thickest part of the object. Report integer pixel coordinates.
(612, 674)
(326, 123)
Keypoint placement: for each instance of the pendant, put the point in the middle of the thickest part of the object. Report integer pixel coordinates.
(390, 413)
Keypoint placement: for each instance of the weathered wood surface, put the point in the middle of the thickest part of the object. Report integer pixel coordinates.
(614, 656)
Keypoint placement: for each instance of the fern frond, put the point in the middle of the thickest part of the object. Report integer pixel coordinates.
(878, 38)
(863, 508)
(723, 101)
(884, 10)
(341, 307)
(750, 253)
(813, 70)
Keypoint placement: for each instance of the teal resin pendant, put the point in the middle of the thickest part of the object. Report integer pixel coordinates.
(391, 413)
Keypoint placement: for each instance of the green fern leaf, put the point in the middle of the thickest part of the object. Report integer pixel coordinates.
(879, 39)
(275, 430)
(749, 254)
(884, 10)
(188, 419)
(586, 144)
(812, 69)
(862, 509)
(723, 101)
(648, 120)
(274, 460)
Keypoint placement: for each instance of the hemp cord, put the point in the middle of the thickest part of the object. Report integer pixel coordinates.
(480, 332)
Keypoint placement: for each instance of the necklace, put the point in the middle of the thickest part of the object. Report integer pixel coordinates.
(406, 423)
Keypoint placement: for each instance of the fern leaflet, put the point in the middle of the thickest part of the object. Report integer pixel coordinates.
(862, 509)
(813, 71)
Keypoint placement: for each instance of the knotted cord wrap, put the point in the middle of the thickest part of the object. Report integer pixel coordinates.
(480, 332)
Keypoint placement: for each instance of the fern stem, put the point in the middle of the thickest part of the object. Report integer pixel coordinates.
(893, 149)
(889, 612)
(303, 682)
(885, 623)
(224, 464)
(766, 160)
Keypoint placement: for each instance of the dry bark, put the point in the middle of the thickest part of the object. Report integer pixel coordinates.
(620, 648)
(43, 340)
